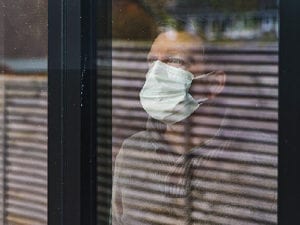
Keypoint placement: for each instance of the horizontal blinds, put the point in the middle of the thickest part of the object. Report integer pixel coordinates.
(251, 94)
(2, 147)
(25, 153)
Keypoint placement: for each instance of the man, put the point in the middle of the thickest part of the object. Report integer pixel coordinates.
(185, 168)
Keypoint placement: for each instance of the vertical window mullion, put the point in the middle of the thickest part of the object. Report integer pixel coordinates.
(71, 113)
(289, 120)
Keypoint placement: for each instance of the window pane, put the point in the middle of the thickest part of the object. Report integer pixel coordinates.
(194, 112)
(23, 112)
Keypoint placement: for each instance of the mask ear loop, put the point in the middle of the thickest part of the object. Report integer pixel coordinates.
(203, 75)
(202, 100)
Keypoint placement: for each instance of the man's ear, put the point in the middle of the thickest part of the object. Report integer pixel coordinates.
(216, 83)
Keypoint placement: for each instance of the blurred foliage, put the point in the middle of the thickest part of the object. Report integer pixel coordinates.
(229, 5)
(158, 10)
(131, 21)
(140, 19)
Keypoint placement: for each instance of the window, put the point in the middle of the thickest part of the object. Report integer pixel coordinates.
(115, 155)
(194, 115)
(23, 112)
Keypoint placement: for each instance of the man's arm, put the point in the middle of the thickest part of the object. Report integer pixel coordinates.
(117, 206)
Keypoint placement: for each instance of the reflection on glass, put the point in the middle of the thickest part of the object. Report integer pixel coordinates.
(23, 112)
(194, 112)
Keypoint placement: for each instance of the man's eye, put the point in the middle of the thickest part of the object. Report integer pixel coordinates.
(176, 61)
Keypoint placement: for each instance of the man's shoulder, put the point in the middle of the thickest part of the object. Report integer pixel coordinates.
(254, 147)
(140, 141)
(139, 138)
(254, 136)
(138, 146)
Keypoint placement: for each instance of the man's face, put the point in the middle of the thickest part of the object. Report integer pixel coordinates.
(176, 49)
(181, 50)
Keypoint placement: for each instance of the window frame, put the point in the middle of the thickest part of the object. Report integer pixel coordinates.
(289, 111)
(72, 111)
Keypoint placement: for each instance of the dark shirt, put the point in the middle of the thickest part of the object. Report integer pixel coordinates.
(230, 179)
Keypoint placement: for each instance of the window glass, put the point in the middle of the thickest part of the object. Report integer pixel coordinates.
(193, 109)
(23, 112)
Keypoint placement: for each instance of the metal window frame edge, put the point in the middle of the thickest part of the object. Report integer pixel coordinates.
(71, 112)
(289, 113)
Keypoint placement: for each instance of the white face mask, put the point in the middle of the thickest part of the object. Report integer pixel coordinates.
(165, 96)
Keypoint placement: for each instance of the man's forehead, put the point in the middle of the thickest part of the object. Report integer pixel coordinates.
(173, 41)
(180, 36)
